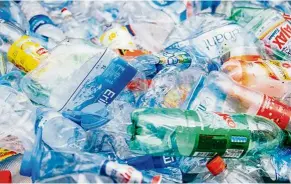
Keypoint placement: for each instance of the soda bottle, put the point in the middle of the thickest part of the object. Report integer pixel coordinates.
(90, 77)
(221, 174)
(174, 132)
(41, 164)
(40, 22)
(271, 77)
(219, 93)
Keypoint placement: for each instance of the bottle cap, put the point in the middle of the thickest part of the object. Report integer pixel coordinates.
(216, 165)
(26, 167)
(5, 176)
(65, 12)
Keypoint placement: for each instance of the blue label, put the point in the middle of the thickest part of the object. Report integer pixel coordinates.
(162, 3)
(151, 162)
(106, 78)
(5, 15)
(38, 20)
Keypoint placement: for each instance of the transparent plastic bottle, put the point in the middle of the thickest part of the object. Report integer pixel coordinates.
(90, 77)
(74, 29)
(60, 133)
(174, 132)
(221, 174)
(219, 93)
(40, 22)
(41, 164)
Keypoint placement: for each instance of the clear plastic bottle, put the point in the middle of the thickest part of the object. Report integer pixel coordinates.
(221, 174)
(90, 77)
(41, 164)
(75, 29)
(60, 133)
(40, 22)
(219, 93)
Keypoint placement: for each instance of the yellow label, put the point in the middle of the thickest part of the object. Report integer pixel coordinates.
(26, 54)
(4, 154)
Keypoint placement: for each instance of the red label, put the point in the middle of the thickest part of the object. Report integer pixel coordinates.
(275, 111)
(41, 51)
(157, 179)
(227, 119)
(283, 36)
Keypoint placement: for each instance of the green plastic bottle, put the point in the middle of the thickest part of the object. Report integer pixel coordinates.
(160, 131)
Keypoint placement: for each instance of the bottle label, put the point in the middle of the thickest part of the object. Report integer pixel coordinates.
(26, 54)
(122, 173)
(176, 97)
(174, 56)
(218, 41)
(38, 20)
(279, 70)
(275, 111)
(106, 78)
(226, 135)
(280, 38)
(4, 154)
(130, 54)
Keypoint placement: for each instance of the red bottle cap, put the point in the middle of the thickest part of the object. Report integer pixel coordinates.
(5, 177)
(216, 165)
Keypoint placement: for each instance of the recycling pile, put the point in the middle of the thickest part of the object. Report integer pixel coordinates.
(145, 91)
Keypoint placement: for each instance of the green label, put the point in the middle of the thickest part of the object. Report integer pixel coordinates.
(228, 136)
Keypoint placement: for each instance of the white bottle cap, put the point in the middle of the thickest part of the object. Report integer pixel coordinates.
(65, 13)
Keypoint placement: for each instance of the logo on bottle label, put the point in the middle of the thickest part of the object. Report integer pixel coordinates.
(38, 20)
(275, 111)
(26, 54)
(4, 154)
(227, 119)
(283, 35)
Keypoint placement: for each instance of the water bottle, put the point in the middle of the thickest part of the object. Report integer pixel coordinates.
(219, 93)
(91, 77)
(40, 22)
(60, 133)
(74, 29)
(41, 164)
(157, 17)
(11, 12)
(174, 132)
(23, 51)
(16, 121)
(221, 174)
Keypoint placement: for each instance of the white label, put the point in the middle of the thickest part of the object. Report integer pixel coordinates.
(123, 173)
(233, 153)
(218, 41)
(204, 154)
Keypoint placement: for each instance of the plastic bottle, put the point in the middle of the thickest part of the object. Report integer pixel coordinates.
(23, 51)
(271, 77)
(221, 174)
(74, 29)
(174, 132)
(219, 93)
(11, 12)
(40, 22)
(60, 133)
(90, 76)
(157, 17)
(16, 121)
(41, 164)
(268, 25)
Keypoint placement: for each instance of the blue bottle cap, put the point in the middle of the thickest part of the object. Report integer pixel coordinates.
(26, 164)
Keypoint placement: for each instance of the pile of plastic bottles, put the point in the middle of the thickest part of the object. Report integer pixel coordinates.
(145, 91)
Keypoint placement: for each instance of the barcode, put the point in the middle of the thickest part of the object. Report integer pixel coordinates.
(233, 153)
(204, 154)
